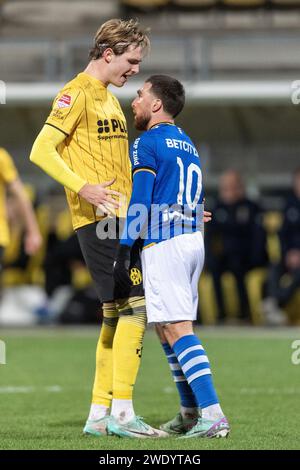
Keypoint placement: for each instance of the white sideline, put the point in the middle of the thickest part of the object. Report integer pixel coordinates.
(23, 389)
(251, 391)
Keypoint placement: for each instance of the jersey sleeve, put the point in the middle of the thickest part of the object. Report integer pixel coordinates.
(143, 154)
(140, 202)
(8, 171)
(67, 110)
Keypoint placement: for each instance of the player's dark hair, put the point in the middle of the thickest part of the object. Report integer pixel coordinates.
(170, 91)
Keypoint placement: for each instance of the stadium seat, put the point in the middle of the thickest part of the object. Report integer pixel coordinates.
(194, 3)
(255, 280)
(285, 3)
(63, 225)
(207, 299)
(35, 264)
(272, 222)
(12, 251)
(293, 309)
(80, 277)
(64, 229)
(244, 3)
(145, 3)
(33, 272)
(230, 295)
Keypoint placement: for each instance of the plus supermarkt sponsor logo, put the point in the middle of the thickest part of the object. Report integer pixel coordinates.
(111, 128)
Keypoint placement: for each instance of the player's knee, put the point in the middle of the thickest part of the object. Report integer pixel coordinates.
(175, 330)
(160, 332)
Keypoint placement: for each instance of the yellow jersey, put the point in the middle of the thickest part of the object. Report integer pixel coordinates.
(8, 174)
(96, 144)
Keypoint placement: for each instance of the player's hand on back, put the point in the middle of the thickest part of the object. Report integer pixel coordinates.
(207, 216)
(101, 196)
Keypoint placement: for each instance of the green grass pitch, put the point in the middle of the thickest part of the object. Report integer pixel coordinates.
(45, 390)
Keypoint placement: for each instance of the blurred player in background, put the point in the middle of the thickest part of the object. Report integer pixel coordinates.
(284, 277)
(235, 240)
(10, 182)
(84, 146)
(168, 191)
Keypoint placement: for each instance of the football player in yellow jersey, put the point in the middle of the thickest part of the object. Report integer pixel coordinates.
(84, 146)
(10, 181)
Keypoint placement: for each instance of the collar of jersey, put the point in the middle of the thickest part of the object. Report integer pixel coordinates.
(95, 81)
(162, 122)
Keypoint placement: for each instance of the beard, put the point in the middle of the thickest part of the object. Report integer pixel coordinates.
(142, 122)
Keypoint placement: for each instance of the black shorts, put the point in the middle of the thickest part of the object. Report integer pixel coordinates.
(99, 256)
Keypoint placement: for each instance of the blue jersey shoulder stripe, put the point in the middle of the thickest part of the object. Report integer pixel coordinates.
(144, 168)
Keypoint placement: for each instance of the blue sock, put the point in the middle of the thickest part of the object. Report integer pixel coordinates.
(195, 366)
(187, 398)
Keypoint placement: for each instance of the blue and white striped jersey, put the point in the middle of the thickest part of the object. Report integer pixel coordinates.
(177, 197)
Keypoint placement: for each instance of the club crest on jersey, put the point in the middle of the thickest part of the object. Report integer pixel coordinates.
(64, 101)
(136, 276)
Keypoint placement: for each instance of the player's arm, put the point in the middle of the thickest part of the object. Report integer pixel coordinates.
(33, 238)
(45, 155)
(140, 203)
(143, 154)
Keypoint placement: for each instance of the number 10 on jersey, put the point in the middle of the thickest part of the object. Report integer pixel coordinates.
(186, 187)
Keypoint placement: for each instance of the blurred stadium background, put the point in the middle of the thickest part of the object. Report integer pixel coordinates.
(238, 60)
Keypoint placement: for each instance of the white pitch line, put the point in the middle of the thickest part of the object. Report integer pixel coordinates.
(250, 391)
(270, 391)
(53, 389)
(23, 389)
(170, 390)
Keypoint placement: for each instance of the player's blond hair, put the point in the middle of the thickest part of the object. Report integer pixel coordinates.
(118, 35)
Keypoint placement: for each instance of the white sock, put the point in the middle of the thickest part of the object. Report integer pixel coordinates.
(98, 411)
(188, 412)
(212, 412)
(122, 410)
